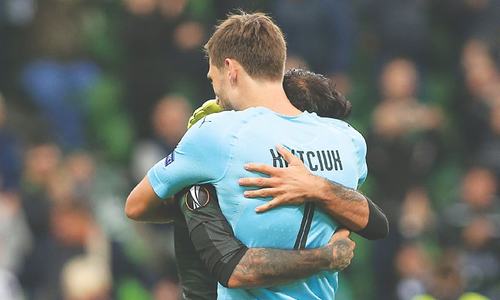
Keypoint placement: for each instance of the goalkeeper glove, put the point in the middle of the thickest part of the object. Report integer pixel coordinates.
(209, 107)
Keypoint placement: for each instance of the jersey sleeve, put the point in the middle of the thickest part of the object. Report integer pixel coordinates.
(210, 232)
(360, 146)
(201, 156)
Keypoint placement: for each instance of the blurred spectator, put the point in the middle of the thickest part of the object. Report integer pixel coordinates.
(146, 35)
(404, 143)
(401, 28)
(446, 281)
(413, 267)
(483, 18)
(44, 266)
(169, 123)
(482, 81)
(163, 54)
(14, 233)
(10, 156)
(481, 71)
(404, 148)
(41, 164)
(488, 153)
(188, 71)
(77, 247)
(81, 167)
(85, 278)
(473, 225)
(10, 287)
(417, 216)
(324, 42)
(59, 91)
(59, 76)
(15, 16)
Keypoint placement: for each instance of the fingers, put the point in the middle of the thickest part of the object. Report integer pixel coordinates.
(289, 157)
(261, 168)
(269, 205)
(257, 181)
(342, 233)
(266, 169)
(209, 107)
(262, 193)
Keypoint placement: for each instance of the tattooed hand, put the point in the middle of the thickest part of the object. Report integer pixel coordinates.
(341, 248)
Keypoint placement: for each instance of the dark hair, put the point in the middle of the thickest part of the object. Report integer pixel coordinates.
(315, 93)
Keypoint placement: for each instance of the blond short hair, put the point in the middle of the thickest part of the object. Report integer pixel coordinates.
(253, 40)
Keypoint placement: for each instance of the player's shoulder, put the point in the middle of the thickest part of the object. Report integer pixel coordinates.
(343, 126)
(223, 118)
(213, 122)
(231, 117)
(347, 129)
(217, 127)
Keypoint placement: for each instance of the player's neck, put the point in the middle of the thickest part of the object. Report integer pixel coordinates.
(270, 95)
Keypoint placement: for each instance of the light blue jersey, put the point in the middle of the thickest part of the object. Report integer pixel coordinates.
(215, 150)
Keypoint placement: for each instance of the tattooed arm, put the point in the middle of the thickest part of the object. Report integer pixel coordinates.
(234, 265)
(296, 185)
(262, 267)
(345, 205)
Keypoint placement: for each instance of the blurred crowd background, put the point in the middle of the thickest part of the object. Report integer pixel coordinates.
(94, 92)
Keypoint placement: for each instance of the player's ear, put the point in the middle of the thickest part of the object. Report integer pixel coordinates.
(232, 70)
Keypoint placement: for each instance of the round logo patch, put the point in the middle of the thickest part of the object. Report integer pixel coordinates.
(197, 197)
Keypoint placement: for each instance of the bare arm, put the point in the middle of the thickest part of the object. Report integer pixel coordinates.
(144, 205)
(262, 267)
(296, 185)
(345, 205)
(236, 266)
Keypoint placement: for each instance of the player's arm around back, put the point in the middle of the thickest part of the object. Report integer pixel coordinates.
(264, 267)
(236, 266)
(296, 184)
(144, 205)
(200, 157)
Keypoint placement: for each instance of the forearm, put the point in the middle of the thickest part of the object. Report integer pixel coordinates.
(164, 212)
(236, 266)
(352, 209)
(261, 267)
(144, 205)
(345, 205)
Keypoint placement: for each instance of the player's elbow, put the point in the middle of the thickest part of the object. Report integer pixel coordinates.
(247, 281)
(378, 225)
(381, 231)
(134, 209)
(225, 267)
(385, 231)
(235, 282)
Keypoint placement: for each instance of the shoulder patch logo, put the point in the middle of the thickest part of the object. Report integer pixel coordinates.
(169, 159)
(197, 197)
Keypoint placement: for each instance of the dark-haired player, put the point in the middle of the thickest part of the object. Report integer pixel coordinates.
(312, 92)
